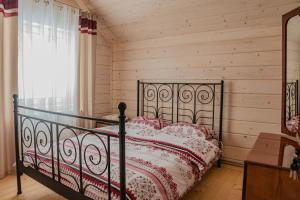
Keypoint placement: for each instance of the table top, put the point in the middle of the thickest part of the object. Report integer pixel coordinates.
(266, 150)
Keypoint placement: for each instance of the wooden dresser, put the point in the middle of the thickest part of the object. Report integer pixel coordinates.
(264, 178)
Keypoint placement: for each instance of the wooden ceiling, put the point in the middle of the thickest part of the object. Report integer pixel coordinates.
(131, 20)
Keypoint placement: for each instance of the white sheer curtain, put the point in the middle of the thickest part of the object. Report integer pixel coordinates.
(48, 55)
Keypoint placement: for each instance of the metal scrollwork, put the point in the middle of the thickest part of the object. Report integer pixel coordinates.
(94, 154)
(165, 93)
(150, 92)
(205, 94)
(189, 102)
(73, 178)
(93, 186)
(186, 93)
(43, 134)
(27, 132)
(69, 152)
(158, 99)
(291, 99)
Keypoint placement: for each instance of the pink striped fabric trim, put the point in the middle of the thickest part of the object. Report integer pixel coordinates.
(9, 8)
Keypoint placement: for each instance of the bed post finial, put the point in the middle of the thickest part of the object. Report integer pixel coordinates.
(122, 107)
(15, 96)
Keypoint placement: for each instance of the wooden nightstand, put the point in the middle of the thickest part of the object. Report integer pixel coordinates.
(264, 178)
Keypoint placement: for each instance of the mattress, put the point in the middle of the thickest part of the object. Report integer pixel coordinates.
(160, 164)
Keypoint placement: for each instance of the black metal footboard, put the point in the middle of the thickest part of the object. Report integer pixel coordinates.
(43, 144)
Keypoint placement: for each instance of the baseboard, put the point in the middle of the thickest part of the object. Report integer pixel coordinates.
(238, 163)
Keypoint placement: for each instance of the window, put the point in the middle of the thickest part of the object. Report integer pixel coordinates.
(48, 55)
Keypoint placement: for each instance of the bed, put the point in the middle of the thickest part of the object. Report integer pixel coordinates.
(160, 154)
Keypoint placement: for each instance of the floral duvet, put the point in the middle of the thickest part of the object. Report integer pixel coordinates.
(160, 164)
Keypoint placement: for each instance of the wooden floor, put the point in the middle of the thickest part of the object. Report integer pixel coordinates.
(219, 184)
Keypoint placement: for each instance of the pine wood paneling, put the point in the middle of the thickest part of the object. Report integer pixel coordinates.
(185, 14)
(238, 41)
(191, 40)
(103, 74)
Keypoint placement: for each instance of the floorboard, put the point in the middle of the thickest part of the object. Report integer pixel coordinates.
(223, 183)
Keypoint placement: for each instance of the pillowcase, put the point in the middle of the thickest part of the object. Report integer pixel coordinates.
(153, 122)
(188, 128)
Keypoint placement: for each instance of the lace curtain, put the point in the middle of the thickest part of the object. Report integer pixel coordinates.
(48, 55)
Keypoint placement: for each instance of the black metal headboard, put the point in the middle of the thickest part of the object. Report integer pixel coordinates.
(292, 99)
(200, 103)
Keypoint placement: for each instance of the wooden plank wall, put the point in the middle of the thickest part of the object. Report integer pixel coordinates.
(236, 40)
(103, 95)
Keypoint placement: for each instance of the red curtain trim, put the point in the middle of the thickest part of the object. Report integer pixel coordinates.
(88, 31)
(8, 14)
(9, 8)
(9, 4)
(87, 25)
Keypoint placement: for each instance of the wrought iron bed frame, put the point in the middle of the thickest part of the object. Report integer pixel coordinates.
(292, 99)
(181, 94)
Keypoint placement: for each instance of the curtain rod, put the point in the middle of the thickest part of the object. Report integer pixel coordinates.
(77, 7)
(73, 6)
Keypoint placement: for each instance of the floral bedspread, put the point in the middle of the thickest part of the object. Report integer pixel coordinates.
(160, 164)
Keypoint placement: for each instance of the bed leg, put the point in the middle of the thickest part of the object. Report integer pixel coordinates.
(219, 163)
(16, 129)
(19, 182)
(122, 108)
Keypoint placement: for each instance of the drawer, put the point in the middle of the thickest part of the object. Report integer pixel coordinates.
(261, 183)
